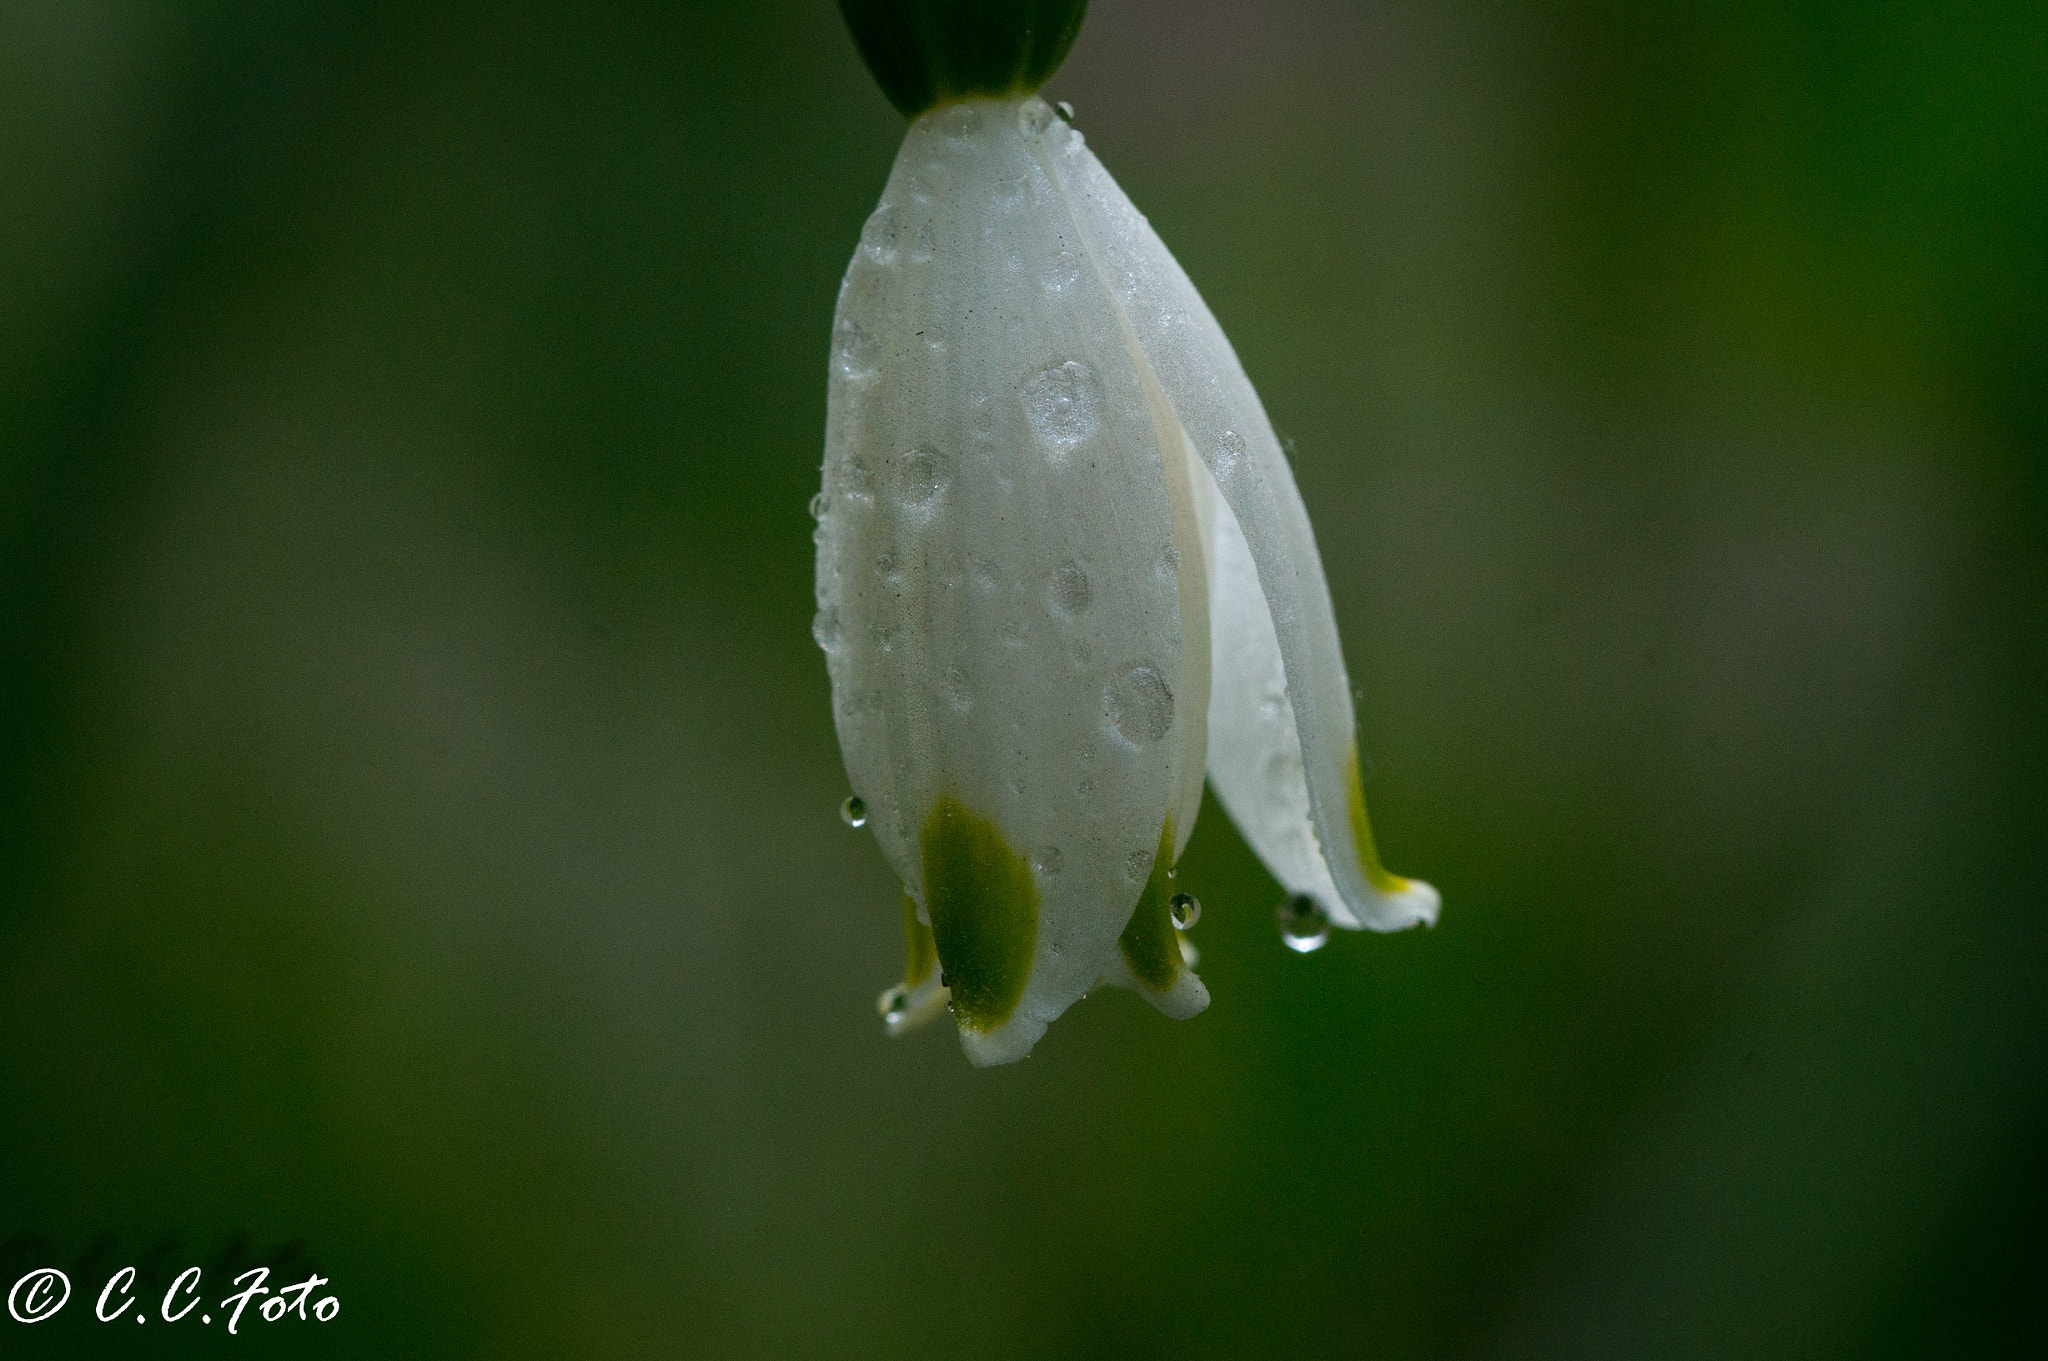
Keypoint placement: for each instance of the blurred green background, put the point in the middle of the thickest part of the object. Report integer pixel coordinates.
(418, 846)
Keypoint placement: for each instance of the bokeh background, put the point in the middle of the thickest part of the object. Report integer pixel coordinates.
(418, 842)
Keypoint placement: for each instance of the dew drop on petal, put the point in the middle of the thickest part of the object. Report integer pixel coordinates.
(1229, 453)
(857, 479)
(885, 566)
(959, 692)
(1185, 909)
(1064, 110)
(854, 811)
(825, 628)
(1063, 402)
(1138, 866)
(1304, 928)
(960, 122)
(819, 505)
(921, 475)
(855, 353)
(1033, 118)
(1071, 594)
(1139, 704)
(1061, 272)
(1047, 860)
(878, 236)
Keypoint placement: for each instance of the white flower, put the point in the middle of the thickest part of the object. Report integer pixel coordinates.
(1063, 571)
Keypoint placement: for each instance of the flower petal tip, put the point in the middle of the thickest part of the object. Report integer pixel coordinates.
(1405, 903)
(1006, 1043)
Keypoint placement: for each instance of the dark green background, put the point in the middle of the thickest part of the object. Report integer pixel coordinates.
(418, 836)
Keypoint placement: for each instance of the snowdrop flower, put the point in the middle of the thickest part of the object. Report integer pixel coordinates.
(1063, 571)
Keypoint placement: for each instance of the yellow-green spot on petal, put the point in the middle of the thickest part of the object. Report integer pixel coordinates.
(920, 954)
(1149, 943)
(984, 910)
(1376, 874)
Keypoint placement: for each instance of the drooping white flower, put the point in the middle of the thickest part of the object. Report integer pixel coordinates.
(1063, 572)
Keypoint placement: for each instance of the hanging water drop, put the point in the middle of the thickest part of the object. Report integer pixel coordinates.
(854, 812)
(1304, 928)
(893, 1003)
(1065, 111)
(1186, 910)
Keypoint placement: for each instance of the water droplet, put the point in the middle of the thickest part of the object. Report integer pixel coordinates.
(922, 246)
(1033, 118)
(1139, 704)
(1065, 111)
(857, 479)
(1229, 453)
(878, 236)
(1047, 860)
(1138, 865)
(1185, 909)
(1061, 272)
(885, 566)
(825, 628)
(1071, 594)
(959, 693)
(820, 503)
(1085, 788)
(893, 1003)
(881, 637)
(921, 475)
(1085, 754)
(854, 812)
(919, 190)
(960, 122)
(1063, 402)
(1304, 928)
(855, 353)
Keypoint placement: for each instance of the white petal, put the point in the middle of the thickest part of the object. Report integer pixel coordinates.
(1254, 750)
(1201, 377)
(999, 592)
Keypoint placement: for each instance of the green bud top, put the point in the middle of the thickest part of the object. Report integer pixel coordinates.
(930, 52)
